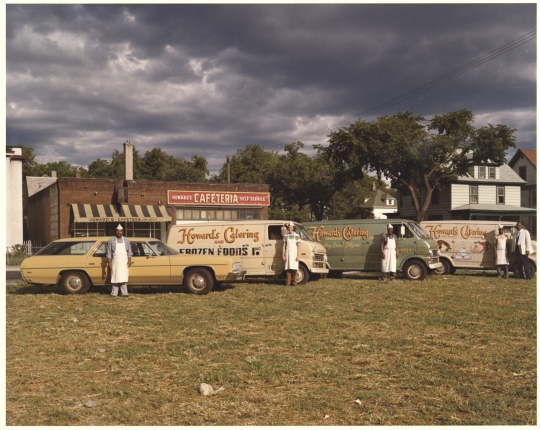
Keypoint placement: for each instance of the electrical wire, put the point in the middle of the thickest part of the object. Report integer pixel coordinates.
(420, 89)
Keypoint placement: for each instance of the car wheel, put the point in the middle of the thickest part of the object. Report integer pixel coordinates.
(199, 281)
(302, 275)
(415, 270)
(75, 283)
(445, 269)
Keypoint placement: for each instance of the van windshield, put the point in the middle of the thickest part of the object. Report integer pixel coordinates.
(302, 232)
(419, 231)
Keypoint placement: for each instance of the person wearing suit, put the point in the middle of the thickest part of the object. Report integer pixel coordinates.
(522, 248)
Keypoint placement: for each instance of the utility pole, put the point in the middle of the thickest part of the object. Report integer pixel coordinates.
(228, 171)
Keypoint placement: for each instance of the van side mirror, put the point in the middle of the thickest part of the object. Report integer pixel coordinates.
(402, 230)
(283, 231)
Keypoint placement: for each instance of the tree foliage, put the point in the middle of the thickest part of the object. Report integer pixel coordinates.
(415, 156)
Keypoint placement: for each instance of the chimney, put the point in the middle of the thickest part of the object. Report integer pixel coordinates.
(53, 174)
(128, 161)
(78, 174)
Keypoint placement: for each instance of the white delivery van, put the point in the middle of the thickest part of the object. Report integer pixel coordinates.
(469, 244)
(259, 244)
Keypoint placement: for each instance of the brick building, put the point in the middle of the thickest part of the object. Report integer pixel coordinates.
(70, 207)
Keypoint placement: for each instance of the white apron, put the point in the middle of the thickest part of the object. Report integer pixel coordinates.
(501, 250)
(290, 240)
(389, 263)
(120, 271)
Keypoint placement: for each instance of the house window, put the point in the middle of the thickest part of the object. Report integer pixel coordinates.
(523, 172)
(435, 197)
(491, 172)
(481, 171)
(500, 195)
(473, 194)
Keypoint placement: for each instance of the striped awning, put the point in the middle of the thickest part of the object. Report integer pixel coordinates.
(123, 213)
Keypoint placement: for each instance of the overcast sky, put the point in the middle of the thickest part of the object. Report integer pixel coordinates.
(210, 79)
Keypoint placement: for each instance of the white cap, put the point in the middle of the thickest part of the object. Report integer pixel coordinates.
(500, 226)
(390, 226)
(119, 227)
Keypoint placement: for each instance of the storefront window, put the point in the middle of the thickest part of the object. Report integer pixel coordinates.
(217, 214)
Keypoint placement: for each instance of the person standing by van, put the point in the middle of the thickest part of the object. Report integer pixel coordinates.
(501, 260)
(389, 254)
(291, 243)
(522, 248)
(119, 261)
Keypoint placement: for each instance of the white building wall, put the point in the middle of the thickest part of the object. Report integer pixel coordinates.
(460, 195)
(512, 195)
(378, 213)
(487, 194)
(14, 200)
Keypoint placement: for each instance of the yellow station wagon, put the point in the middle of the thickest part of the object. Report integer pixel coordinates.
(79, 263)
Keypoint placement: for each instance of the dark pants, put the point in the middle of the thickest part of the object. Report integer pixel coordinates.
(522, 261)
(502, 270)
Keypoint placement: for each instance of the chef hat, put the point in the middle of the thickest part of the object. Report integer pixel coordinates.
(500, 226)
(119, 227)
(290, 223)
(390, 226)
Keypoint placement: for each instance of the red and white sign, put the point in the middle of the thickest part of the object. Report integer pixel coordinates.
(217, 198)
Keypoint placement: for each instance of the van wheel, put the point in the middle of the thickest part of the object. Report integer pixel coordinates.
(199, 281)
(513, 269)
(445, 269)
(302, 275)
(75, 283)
(415, 270)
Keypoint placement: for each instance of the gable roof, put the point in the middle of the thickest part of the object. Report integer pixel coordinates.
(506, 176)
(37, 183)
(378, 199)
(529, 154)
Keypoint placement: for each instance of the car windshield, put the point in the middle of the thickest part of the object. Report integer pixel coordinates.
(419, 231)
(161, 249)
(66, 248)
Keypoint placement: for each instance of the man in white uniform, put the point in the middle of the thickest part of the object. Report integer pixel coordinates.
(291, 242)
(501, 260)
(522, 248)
(389, 254)
(119, 261)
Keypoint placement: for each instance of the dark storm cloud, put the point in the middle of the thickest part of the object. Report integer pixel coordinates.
(209, 79)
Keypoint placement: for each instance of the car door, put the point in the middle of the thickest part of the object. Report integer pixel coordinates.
(148, 268)
(96, 266)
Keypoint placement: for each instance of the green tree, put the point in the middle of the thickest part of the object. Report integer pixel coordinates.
(415, 156)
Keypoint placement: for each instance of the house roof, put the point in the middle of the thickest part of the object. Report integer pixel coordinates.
(506, 176)
(529, 154)
(378, 199)
(493, 208)
(36, 184)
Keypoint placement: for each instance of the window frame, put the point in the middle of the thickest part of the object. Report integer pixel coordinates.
(471, 187)
(498, 196)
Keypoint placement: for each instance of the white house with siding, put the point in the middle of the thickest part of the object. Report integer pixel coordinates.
(486, 192)
(524, 164)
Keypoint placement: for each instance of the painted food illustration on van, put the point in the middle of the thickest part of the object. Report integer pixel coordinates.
(463, 254)
(481, 246)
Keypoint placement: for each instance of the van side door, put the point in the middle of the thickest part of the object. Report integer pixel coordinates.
(273, 250)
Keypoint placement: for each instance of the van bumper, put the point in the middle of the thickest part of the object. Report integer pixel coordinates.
(318, 270)
(236, 276)
(435, 265)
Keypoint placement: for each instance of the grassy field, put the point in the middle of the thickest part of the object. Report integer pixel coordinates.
(456, 350)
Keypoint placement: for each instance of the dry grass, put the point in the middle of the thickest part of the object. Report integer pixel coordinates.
(459, 350)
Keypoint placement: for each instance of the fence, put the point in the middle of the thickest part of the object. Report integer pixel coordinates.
(16, 253)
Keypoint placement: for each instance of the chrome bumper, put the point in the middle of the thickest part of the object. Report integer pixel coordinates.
(236, 276)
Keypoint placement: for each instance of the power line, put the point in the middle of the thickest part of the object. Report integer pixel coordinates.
(425, 87)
